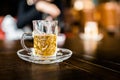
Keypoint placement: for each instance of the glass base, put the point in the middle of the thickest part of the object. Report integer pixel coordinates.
(61, 55)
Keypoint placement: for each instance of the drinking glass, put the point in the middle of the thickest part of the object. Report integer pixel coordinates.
(44, 39)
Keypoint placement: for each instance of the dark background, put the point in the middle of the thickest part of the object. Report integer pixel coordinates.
(11, 6)
(8, 7)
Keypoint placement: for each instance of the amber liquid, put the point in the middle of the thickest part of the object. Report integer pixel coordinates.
(45, 45)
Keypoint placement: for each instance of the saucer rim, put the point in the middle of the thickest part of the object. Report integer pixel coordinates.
(57, 60)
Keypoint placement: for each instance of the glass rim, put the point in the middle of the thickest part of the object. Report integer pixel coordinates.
(45, 20)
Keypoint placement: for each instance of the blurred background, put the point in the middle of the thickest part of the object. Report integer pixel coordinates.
(76, 14)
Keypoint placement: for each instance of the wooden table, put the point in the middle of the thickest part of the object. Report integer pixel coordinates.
(97, 62)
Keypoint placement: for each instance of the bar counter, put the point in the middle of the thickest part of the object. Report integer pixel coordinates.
(99, 61)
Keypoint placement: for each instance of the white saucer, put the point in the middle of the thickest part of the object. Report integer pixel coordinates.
(62, 54)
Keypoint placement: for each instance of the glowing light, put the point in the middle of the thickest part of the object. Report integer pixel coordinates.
(91, 32)
(61, 39)
(78, 5)
(88, 4)
(91, 29)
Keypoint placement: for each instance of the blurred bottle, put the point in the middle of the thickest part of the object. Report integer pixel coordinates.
(109, 16)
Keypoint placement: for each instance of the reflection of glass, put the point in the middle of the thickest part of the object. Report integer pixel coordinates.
(45, 38)
(90, 46)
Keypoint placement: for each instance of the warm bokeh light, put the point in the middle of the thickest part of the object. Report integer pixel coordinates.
(91, 29)
(83, 4)
(91, 32)
(88, 4)
(78, 5)
(109, 13)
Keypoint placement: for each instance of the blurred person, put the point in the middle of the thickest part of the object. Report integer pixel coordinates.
(36, 10)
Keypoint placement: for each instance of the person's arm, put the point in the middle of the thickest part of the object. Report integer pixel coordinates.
(26, 14)
(48, 8)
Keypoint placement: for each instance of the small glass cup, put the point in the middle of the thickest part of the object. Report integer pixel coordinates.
(45, 39)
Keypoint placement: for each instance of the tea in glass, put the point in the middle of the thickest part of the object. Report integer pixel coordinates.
(45, 45)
